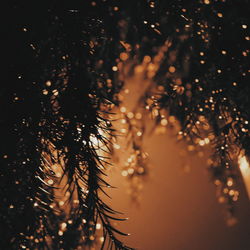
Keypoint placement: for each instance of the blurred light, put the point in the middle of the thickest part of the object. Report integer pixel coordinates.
(245, 171)
(123, 109)
(164, 122)
(114, 68)
(202, 142)
(230, 182)
(171, 69)
(124, 173)
(123, 56)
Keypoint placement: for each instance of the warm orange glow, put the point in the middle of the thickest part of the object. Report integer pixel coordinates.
(245, 171)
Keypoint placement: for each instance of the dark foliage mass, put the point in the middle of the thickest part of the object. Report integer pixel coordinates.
(58, 86)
